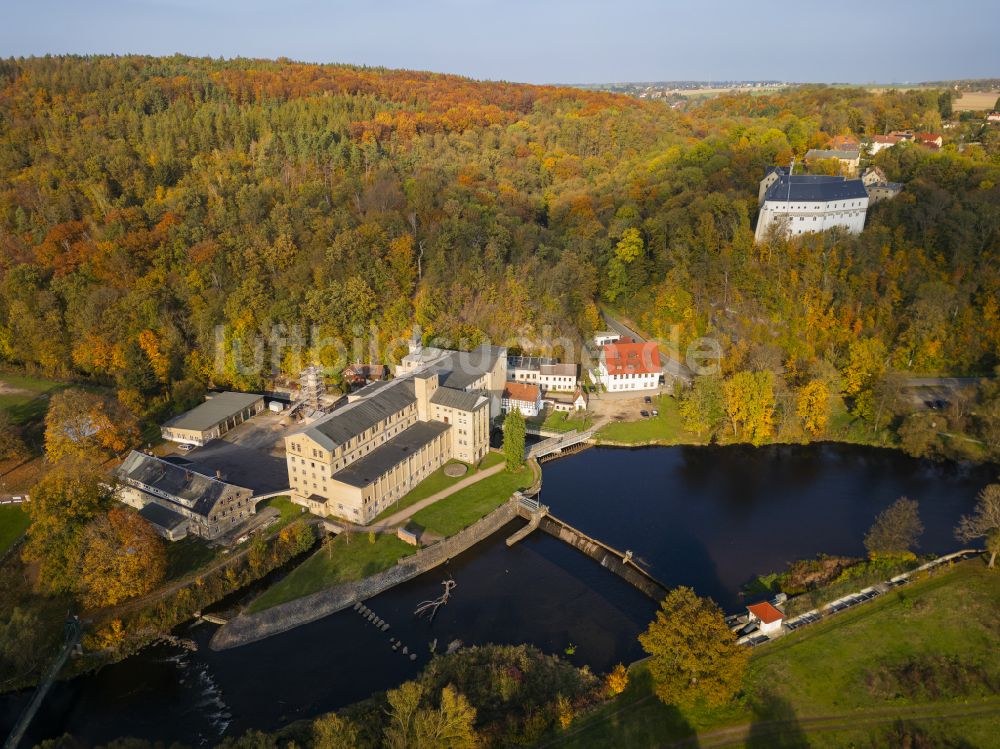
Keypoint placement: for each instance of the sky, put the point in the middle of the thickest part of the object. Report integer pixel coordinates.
(545, 41)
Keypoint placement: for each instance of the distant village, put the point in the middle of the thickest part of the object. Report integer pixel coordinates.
(349, 457)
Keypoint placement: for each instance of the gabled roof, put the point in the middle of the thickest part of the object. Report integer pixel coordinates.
(765, 612)
(460, 369)
(460, 399)
(521, 391)
(218, 407)
(628, 357)
(814, 187)
(162, 516)
(348, 422)
(181, 484)
(365, 470)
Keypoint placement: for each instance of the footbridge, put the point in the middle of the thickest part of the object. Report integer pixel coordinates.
(557, 444)
(621, 563)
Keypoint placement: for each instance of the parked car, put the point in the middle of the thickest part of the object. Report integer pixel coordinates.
(185, 447)
(655, 412)
(647, 399)
(644, 414)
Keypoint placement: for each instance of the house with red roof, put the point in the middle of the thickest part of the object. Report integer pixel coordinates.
(627, 365)
(524, 396)
(767, 617)
(933, 141)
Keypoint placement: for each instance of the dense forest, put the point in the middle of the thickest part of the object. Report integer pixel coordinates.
(146, 201)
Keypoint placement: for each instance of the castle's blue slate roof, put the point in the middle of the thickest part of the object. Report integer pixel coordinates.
(815, 187)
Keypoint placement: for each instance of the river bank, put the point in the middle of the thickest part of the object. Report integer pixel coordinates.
(707, 517)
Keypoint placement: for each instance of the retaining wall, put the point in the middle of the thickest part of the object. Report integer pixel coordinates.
(247, 628)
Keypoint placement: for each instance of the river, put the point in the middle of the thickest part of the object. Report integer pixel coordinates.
(708, 517)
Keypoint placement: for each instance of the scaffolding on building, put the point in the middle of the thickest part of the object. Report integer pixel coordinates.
(311, 387)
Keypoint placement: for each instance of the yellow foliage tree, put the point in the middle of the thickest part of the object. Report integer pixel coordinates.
(617, 680)
(813, 406)
(122, 558)
(694, 657)
(749, 398)
(86, 425)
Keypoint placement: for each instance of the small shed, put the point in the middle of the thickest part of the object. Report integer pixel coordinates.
(767, 616)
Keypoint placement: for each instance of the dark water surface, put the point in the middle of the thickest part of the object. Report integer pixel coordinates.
(707, 517)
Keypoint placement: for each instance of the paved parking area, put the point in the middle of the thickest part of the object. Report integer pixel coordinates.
(623, 406)
(251, 455)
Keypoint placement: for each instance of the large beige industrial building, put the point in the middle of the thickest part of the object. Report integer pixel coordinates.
(355, 462)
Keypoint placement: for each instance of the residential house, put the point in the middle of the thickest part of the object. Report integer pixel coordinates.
(359, 375)
(878, 187)
(933, 141)
(548, 374)
(524, 397)
(877, 143)
(844, 143)
(627, 365)
(849, 160)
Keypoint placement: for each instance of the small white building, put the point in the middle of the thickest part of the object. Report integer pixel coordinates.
(604, 337)
(523, 396)
(802, 203)
(627, 365)
(767, 617)
(877, 143)
(577, 403)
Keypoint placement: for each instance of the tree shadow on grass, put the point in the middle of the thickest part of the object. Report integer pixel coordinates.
(637, 718)
(775, 725)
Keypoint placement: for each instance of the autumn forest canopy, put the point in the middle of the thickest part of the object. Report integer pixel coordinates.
(146, 201)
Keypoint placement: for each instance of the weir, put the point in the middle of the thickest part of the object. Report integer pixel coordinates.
(618, 562)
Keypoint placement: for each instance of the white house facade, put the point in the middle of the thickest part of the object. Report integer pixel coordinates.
(627, 365)
(799, 204)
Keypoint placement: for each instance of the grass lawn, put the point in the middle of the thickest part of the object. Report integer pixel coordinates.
(438, 481)
(451, 514)
(664, 429)
(187, 555)
(19, 396)
(925, 653)
(13, 522)
(338, 562)
(560, 421)
(288, 509)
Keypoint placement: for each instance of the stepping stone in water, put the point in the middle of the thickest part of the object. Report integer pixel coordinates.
(413, 656)
(405, 650)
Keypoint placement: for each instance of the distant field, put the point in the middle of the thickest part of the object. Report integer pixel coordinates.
(19, 395)
(976, 100)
